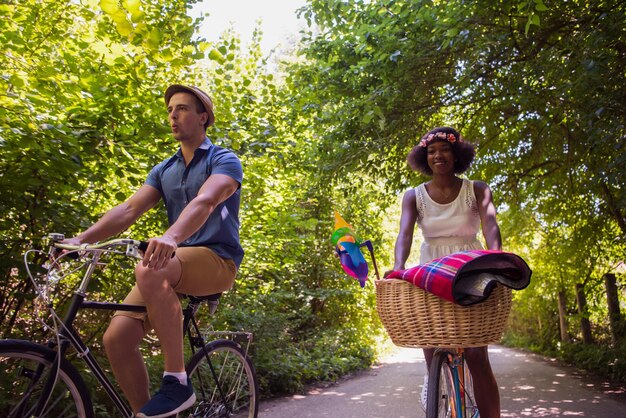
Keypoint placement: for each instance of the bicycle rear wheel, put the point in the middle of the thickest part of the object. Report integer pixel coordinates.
(24, 370)
(441, 393)
(224, 381)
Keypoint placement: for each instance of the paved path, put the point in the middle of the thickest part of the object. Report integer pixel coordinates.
(529, 387)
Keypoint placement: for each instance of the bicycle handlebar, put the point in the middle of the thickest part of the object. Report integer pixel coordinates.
(106, 245)
(132, 246)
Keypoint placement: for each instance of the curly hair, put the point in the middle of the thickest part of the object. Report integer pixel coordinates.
(464, 151)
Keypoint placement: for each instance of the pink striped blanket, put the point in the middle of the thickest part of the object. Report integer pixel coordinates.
(468, 277)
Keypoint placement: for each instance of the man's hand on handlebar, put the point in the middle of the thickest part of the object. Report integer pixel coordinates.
(69, 241)
(159, 252)
(72, 241)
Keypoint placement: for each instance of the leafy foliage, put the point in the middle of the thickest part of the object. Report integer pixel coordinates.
(538, 86)
(85, 121)
(80, 91)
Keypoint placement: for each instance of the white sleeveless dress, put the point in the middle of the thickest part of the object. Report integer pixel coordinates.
(448, 228)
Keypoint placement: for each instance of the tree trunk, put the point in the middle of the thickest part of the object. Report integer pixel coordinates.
(612, 301)
(614, 208)
(563, 316)
(585, 325)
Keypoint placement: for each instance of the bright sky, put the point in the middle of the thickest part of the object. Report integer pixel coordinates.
(278, 19)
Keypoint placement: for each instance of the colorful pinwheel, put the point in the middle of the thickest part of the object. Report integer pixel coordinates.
(348, 248)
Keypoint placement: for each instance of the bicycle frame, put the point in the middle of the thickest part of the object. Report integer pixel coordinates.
(68, 336)
(458, 382)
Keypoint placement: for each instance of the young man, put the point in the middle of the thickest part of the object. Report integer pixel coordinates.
(200, 186)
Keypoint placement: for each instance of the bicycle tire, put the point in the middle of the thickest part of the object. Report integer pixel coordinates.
(24, 367)
(236, 377)
(441, 393)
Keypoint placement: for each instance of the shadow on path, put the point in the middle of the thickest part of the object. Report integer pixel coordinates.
(530, 386)
(389, 389)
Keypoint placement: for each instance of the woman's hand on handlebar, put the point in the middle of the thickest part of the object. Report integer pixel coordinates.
(159, 252)
(395, 268)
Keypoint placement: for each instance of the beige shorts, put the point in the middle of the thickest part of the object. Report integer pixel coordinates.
(203, 273)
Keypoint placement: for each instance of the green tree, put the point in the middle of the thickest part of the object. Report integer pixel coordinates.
(86, 123)
(81, 91)
(538, 86)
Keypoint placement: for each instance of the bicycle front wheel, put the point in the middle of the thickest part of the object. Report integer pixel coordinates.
(25, 369)
(441, 393)
(224, 380)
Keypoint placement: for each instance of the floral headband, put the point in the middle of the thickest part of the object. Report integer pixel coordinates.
(439, 135)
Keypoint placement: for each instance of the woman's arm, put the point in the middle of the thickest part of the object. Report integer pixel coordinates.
(407, 227)
(487, 212)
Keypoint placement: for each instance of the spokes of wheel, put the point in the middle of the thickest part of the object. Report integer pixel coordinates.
(24, 369)
(441, 392)
(446, 392)
(224, 382)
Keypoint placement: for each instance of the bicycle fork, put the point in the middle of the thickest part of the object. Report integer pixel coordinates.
(459, 383)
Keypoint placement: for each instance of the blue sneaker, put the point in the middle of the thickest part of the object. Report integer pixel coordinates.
(171, 399)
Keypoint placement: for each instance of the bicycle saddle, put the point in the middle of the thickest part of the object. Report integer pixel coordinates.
(208, 298)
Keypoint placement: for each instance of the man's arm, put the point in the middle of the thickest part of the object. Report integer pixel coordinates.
(121, 216)
(216, 189)
(487, 211)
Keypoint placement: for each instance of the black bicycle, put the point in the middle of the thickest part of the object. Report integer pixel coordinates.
(38, 380)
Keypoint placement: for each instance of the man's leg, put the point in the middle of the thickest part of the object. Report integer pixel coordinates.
(164, 310)
(121, 342)
(485, 385)
(204, 273)
(165, 316)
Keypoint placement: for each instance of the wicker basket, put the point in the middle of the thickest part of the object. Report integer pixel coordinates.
(416, 318)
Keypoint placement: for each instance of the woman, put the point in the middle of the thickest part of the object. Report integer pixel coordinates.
(450, 211)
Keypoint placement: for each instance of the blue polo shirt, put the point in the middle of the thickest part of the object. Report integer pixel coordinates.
(178, 185)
